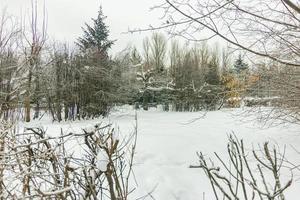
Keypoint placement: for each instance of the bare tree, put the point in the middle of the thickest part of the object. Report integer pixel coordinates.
(8, 65)
(34, 40)
(158, 51)
(146, 54)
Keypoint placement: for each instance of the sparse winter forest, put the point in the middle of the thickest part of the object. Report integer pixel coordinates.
(203, 105)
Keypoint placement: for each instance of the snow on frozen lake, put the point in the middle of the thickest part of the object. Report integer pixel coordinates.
(168, 142)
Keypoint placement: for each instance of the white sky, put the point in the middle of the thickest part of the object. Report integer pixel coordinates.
(65, 17)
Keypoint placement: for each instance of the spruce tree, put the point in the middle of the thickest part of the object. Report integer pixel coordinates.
(97, 85)
(96, 36)
(213, 76)
(240, 66)
(213, 90)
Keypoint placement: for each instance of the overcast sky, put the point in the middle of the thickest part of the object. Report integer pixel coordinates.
(65, 17)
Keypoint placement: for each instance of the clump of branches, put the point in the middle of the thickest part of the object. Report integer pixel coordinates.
(248, 175)
(276, 88)
(34, 165)
(107, 166)
(268, 29)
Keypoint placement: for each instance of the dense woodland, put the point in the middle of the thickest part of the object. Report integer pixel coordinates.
(85, 82)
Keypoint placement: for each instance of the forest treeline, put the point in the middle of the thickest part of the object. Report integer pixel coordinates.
(86, 82)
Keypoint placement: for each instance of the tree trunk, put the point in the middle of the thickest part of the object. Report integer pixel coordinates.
(27, 108)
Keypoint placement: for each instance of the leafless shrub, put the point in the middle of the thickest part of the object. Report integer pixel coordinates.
(108, 165)
(34, 165)
(248, 175)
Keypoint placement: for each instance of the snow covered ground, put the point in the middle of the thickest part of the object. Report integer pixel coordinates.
(168, 142)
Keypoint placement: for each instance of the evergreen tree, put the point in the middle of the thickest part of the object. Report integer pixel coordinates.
(97, 83)
(96, 36)
(213, 75)
(240, 66)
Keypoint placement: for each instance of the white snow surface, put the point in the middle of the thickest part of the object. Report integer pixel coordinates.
(168, 142)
